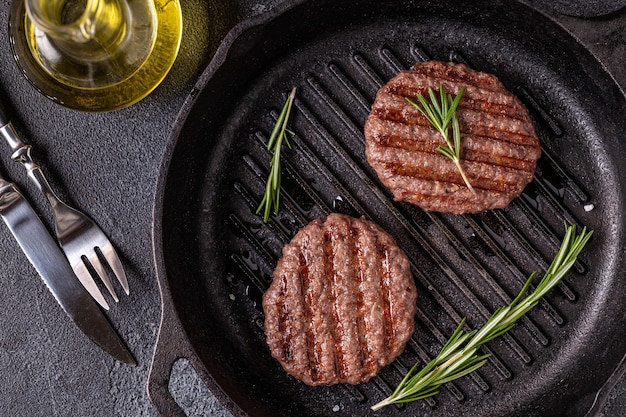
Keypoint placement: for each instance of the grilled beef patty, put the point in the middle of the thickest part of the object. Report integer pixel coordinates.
(499, 147)
(342, 302)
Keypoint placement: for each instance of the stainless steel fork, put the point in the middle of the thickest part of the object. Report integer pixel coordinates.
(84, 244)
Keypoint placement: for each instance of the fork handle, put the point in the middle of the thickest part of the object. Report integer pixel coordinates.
(4, 119)
(21, 154)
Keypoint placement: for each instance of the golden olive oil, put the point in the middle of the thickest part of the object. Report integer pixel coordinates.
(96, 55)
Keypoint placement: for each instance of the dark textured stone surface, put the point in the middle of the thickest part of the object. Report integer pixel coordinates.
(583, 8)
(106, 164)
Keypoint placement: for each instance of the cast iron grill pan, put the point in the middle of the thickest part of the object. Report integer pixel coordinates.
(215, 256)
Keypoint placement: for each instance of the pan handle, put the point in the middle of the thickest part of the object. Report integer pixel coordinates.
(170, 347)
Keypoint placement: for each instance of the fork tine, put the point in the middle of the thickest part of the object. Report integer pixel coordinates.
(99, 268)
(85, 278)
(108, 251)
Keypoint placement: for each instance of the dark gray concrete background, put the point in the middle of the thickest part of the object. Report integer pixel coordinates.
(106, 165)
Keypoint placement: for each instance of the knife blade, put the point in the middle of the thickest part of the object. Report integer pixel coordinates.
(47, 258)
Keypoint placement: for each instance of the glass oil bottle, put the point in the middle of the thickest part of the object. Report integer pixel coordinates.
(95, 55)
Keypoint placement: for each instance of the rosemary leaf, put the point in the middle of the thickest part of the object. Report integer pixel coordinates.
(440, 112)
(459, 357)
(271, 198)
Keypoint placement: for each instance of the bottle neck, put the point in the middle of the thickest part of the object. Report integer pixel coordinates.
(80, 21)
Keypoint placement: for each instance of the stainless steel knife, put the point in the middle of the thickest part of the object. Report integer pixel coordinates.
(42, 251)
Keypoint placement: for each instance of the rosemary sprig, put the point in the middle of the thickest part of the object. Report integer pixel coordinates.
(271, 199)
(459, 356)
(440, 113)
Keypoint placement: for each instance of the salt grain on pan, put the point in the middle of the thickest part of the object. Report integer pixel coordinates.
(589, 207)
(232, 297)
(336, 408)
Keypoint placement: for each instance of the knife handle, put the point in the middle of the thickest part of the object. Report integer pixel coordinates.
(4, 185)
(8, 193)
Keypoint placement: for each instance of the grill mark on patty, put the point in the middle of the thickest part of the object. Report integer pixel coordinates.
(441, 194)
(365, 356)
(476, 149)
(386, 295)
(405, 118)
(475, 96)
(312, 354)
(467, 156)
(341, 367)
(426, 166)
(284, 328)
(393, 134)
(471, 121)
(452, 73)
(325, 326)
(466, 128)
(374, 305)
(449, 185)
(511, 110)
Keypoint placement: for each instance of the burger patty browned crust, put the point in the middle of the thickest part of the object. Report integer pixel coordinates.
(498, 141)
(342, 302)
